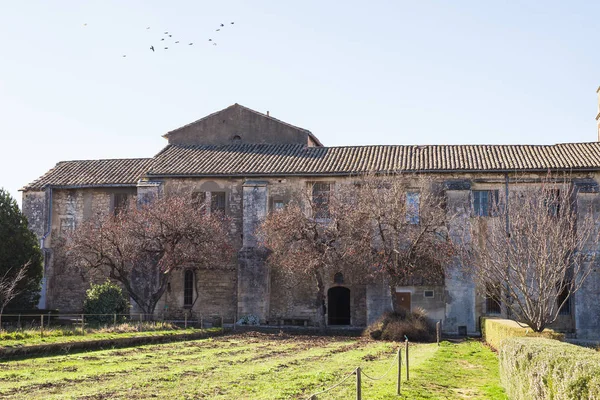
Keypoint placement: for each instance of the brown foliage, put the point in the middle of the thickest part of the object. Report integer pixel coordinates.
(141, 247)
(409, 228)
(317, 233)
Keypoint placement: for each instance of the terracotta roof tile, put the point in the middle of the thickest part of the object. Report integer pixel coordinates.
(93, 173)
(265, 159)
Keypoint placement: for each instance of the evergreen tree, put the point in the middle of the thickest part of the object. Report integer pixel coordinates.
(18, 246)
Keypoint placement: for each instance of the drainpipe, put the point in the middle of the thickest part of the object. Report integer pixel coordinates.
(507, 288)
(42, 302)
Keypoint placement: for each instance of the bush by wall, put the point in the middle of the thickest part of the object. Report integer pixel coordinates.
(538, 368)
(394, 326)
(495, 330)
(106, 298)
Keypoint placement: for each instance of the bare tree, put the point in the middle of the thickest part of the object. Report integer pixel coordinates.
(536, 252)
(315, 233)
(9, 286)
(409, 234)
(140, 248)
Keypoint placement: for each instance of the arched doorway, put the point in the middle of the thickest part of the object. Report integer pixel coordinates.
(338, 306)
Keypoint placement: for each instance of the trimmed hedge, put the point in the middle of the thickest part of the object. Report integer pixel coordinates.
(538, 368)
(495, 330)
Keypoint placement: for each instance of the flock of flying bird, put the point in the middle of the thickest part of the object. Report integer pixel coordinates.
(168, 37)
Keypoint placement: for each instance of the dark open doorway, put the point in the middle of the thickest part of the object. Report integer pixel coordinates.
(338, 305)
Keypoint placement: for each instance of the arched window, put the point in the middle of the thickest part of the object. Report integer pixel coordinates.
(338, 278)
(188, 288)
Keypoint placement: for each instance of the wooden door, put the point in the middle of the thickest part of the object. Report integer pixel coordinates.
(403, 300)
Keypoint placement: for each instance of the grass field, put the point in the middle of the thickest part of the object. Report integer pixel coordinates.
(33, 337)
(255, 366)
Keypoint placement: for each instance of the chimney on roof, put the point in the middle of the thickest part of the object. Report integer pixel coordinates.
(269, 115)
(598, 115)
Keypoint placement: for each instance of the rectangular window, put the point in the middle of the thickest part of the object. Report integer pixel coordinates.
(67, 224)
(278, 205)
(492, 299)
(217, 202)
(412, 207)
(485, 203)
(320, 197)
(566, 307)
(121, 203)
(429, 293)
(188, 288)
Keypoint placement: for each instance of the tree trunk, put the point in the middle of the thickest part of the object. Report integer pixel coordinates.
(320, 302)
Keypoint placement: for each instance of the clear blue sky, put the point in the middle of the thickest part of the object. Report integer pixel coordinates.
(353, 72)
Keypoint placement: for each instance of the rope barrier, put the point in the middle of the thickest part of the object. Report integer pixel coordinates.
(392, 364)
(332, 387)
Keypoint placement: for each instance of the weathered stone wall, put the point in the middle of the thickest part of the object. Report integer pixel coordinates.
(67, 284)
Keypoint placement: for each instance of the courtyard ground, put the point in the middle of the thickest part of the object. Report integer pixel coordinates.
(255, 366)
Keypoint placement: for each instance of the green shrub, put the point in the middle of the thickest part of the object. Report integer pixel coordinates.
(538, 368)
(106, 298)
(395, 326)
(495, 330)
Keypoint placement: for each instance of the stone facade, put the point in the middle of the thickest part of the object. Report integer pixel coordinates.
(248, 285)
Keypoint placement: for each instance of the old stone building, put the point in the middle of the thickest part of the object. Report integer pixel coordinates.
(247, 163)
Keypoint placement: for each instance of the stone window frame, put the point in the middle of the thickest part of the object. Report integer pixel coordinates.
(427, 291)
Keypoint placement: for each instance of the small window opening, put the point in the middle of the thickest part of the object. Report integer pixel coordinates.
(188, 288)
(338, 278)
(236, 139)
(320, 196)
(492, 299)
(217, 202)
(121, 202)
(429, 293)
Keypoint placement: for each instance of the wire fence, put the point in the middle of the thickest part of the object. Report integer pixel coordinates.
(396, 361)
(81, 323)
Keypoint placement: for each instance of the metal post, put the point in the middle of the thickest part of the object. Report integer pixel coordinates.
(437, 332)
(358, 389)
(399, 370)
(406, 351)
(42, 325)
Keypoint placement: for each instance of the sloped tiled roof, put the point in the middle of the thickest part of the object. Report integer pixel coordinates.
(93, 173)
(291, 159)
(247, 159)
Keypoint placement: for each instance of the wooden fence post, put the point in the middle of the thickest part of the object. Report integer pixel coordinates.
(19, 322)
(437, 332)
(406, 351)
(115, 319)
(358, 388)
(83, 324)
(201, 323)
(140, 323)
(42, 325)
(185, 319)
(399, 370)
